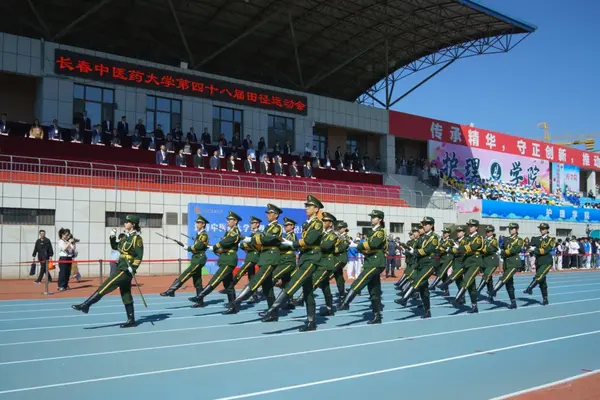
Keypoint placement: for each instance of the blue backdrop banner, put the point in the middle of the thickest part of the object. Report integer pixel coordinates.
(504, 209)
(216, 214)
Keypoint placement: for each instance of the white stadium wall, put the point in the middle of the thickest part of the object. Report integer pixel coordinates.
(83, 210)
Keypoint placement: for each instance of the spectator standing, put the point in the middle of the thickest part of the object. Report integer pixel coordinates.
(67, 249)
(214, 161)
(587, 250)
(353, 269)
(391, 260)
(44, 252)
(573, 252)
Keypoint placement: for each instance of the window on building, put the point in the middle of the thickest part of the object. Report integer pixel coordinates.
(320, 140)
(397, 227)
(172, 218)
(280, 129)
(563, 233)
(97, 101)
(146, 220)
(226, 121)
(26, 216)
(184, 218)
(164, 112)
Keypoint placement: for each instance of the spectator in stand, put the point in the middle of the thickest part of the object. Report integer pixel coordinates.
(141, 128)
(75, 135)
(85, 123)
(123, 128)
(191, 135)
(115, 140)
(410, 165)
(187, 147)
(44, 252)
(97, 135)
(307, 170)
(276, 148)
(158, 133)
(264, 165)
(277, 166)
(54, 131)
(180, 159)
(205, 136)
(107, 128)
(262, 147)
(221, 150)
(338, 155)
(161, 156)
(340, 165)
(248, 143)
(307, 151)
(287, 149)
(222, 140)
(170, 144)
(249, 165)
(4, 124)
(177, 134)
(236, 143)
(231, 164)
(136, 140)
(214, 161)
(198, 159)
(152, 143)
(293, 170)
(36, 131)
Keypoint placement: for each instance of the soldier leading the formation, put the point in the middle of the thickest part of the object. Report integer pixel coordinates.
(131, 248)
(541, 248)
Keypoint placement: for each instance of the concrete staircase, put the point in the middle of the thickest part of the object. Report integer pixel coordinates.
(418, 194)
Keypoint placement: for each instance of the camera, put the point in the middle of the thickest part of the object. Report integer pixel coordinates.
(70, 236)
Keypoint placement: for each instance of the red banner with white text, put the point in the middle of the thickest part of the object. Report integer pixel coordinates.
(422, 128)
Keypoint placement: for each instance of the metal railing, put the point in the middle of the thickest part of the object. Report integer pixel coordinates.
(41, 171)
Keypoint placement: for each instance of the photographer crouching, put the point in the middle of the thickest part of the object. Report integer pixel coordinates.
(67, 250)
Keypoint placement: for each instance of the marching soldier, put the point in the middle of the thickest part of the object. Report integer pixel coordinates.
(511, 249)
(287, 259)
(409, 259)
(268, 243)
(227, 251)
(426, 255)
(131, 248)
(472, 261)
(446, 260)
(251, 259)
(341, 257)
(543, 261)
(374, 249)
(458, 264)
(490, 259)
(310, 259)
(194, 271)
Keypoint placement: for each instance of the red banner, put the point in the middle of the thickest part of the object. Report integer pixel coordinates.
(421, 128)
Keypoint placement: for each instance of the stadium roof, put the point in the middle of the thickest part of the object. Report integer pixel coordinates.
(335, 48)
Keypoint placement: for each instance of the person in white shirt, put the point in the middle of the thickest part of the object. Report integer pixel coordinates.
(66, 252)
(558, 256)
(573, 252)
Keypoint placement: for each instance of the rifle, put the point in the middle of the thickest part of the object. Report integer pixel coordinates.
(168, 238)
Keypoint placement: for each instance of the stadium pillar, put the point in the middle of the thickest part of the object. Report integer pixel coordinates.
(387, 151)
(590, 182)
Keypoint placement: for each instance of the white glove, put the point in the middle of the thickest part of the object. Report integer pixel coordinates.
(113, 233)
(455, 246)
(130, 270)
(353, 245)
(212, 248)
(288, 243)
(410, 251)
(531, 248)
(247, 239)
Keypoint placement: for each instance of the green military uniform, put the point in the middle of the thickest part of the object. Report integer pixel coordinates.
(490, 260)
(446, 261)
(340, 253)
(542, 248)
(472, 265)
(310, 259)
(426, 254)
(511, 250)
(374, 249)
(410, 261)
(226, 248)
(287, 259)
(251, 259)
(194, 270)
(268, 243)
(457, 264)
(131, 249)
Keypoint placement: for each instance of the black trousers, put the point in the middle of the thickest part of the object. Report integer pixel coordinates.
(43, 266)
(64, 273)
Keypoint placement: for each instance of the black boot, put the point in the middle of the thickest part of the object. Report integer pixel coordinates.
(481, 285)
(170, 292)
(435, 282)
(446, 284)
(311, 325)
(532, 285)
(130, 317)
(406, 297)
(498, 286)
(298, 301)
(195, 298)
(376, 307)
(426, 315)
(271, 314)
(205, 292)
(474, 309)
(85, 306)
(513, 305)
(348, 299)
(234, 303)
(459, 297)
(400, 282)
(545, 301)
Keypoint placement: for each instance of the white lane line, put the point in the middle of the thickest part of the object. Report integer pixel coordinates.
(404, 367)
(305, 352)
(155, 296)
(547, 385)
(196, 328)
(220, 306)
(172, 346)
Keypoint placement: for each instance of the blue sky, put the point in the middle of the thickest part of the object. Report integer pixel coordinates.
(552, 76)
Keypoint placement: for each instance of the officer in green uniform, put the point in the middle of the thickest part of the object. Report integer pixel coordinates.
(490, 259)
(227, 251)
(131, 248)
(287, 259)
(251, 259)
(446, 260)
(268, 243)
(427, 259)
(340, 253)
(458, 267)
(409, 261)
(473, 263)
(374, 249)
(511, 250)
(310, 259)
(194, 271)
(543, 261)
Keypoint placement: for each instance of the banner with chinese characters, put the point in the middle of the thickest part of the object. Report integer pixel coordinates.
(421, 128)
(509, 210)
(121, 73)
(216, 214)
(565, 177)
(469, 163)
